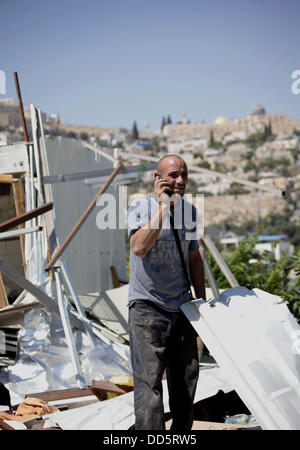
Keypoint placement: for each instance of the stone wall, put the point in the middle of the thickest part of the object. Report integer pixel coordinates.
(280, 123)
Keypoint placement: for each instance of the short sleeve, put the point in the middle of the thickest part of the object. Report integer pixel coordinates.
(138, 214)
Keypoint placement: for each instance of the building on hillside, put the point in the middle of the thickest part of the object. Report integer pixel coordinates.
(255, 122)
(231, 240)
(277, 244)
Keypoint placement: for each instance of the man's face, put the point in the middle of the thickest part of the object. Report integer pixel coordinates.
(174, 170)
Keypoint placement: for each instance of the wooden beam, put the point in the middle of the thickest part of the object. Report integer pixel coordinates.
(5, 178)
(115, 278)
(62, 394)
(3, 297)
(20, 209)
(21, 107)
(5, 426)
(101, 387)
(11, 223)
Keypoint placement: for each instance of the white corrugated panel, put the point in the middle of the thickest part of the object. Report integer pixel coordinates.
(251, 334)
(92, 251)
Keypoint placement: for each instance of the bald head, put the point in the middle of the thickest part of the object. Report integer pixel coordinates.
(173, 169)
(166, 160)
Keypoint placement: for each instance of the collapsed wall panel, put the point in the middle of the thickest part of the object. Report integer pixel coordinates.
(252, 334)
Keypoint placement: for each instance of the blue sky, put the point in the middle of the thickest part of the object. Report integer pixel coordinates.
(108, 63)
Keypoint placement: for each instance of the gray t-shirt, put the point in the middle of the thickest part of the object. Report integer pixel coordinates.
(159, 276)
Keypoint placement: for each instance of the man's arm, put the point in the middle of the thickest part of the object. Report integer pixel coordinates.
(197, 273)
(143, 239)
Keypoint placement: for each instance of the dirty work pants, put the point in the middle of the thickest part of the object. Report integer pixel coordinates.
(162, 340)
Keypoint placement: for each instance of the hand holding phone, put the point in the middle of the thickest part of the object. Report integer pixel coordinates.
(167, 191)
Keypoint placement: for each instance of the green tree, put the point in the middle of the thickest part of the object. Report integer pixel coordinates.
(192, 186)
(276, 277)
(163, 123)
(135, 131)
(169, 121)
(236, 189)
(205, 164)
(84, 136)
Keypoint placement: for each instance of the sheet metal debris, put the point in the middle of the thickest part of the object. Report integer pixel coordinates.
(251, 334)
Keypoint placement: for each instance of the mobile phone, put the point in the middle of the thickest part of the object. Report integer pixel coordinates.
(169, 193)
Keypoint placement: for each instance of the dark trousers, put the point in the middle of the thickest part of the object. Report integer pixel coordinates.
(159, 341)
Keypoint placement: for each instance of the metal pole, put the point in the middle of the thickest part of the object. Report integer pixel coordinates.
(68, 331)
(81, 312)
(220, 260)
(208, 270)
(21, 107)
(17, 233)
(82, 219)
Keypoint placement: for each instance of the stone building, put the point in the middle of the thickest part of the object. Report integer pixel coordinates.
(253, 123)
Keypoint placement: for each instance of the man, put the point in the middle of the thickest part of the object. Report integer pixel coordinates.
(161, 337)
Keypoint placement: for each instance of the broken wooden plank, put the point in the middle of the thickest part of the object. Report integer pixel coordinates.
(115, 278)
(6, 178)
(3, 297)
(11, 223)
(20, 210)
(5, 426)
(101, 387)
(50, 396)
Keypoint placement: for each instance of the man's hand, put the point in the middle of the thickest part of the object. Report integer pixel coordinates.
(163, 189)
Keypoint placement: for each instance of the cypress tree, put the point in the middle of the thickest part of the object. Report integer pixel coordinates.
(135, 131)
(212, 141)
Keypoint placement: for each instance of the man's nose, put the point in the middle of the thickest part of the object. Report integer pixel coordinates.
(180, 179)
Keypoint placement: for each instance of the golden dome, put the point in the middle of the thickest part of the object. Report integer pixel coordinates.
(220, 120)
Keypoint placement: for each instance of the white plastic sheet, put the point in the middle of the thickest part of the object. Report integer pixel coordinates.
(44, 361)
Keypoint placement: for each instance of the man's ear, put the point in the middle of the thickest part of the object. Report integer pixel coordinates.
(157, 175)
